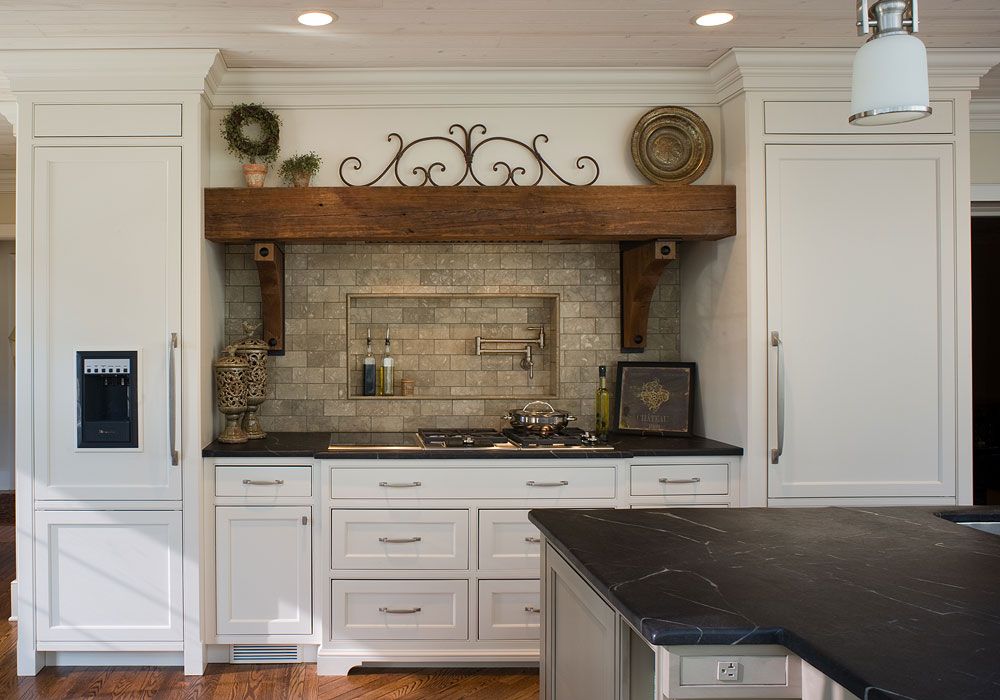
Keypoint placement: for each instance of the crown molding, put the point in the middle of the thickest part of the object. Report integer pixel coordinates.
(7, 180)
(182, 70)
(984, 115)
(416, 87)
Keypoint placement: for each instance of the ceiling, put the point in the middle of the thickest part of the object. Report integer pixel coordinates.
(446, 33)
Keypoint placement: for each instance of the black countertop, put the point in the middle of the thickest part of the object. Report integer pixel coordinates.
(315, 444)
(891, 603)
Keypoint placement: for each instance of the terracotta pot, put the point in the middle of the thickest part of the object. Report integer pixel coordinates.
(254, 174)
(301, 180)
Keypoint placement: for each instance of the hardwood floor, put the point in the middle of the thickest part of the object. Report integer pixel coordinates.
(243, 682)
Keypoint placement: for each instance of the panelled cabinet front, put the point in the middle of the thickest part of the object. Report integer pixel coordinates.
(264, 569)
(862, 320)
(107, 245)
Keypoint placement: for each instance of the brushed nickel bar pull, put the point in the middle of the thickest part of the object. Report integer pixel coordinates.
(256, 482)
(399, 611)
(399, 484)
(175, 457)
(399, 540)
(532, 540)
(547, 483)
(779, 400)
(668, 480)
(531, 609)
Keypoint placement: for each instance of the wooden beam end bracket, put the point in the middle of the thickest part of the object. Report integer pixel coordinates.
(270, 260)
(642, 264)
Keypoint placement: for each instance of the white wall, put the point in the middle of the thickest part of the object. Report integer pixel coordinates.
(338, 132)
(986, 158)
(6, 366)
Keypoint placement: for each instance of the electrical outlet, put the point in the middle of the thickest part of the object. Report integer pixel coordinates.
(728, 671)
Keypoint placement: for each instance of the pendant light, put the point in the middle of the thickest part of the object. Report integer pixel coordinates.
(889, 83)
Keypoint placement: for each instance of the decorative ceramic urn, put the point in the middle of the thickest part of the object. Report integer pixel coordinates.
(231, 393)
(255, 351)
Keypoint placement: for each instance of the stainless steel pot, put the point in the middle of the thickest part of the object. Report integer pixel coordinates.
(535, 420)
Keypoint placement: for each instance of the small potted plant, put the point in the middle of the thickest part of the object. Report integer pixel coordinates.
(298, 170)
(255, 153)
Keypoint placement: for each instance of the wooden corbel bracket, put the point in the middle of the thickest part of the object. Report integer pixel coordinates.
(270, 260)
(641, 266)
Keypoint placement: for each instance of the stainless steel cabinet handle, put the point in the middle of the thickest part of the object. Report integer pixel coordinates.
(175, 457)
(668, 480)
(254, 482)
(779, 399)
(547, 483)
(399, 484)
(532, 540)
(531, 609)
(399, 540)
(399, 611)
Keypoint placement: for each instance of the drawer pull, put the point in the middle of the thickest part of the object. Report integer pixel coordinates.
(399, 484)
(399, 540)
(533, 540)
(531, 609)
(547, 483)
(255, 482)
(692, 480)
(399, 611)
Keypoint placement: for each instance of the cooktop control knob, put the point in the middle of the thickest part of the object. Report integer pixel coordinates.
(468, 440)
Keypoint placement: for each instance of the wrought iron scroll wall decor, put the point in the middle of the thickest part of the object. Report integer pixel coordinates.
(512, 174)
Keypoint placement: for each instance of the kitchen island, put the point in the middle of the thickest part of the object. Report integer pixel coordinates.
(882, 603)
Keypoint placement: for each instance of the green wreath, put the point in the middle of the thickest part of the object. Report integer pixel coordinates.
(263, 149)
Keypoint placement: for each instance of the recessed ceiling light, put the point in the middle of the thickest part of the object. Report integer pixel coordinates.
(714, 19)
(316, 18)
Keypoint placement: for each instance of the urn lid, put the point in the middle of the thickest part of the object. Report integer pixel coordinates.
(249, 342)
(230, 360)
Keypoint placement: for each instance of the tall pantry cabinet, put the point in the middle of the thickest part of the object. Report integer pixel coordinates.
(110, 260)
(840, 315)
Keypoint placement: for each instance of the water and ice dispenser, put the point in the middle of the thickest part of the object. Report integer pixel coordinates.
(107, 386)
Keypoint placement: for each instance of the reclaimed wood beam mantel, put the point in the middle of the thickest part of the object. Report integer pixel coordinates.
(463, 214)
(636, 217)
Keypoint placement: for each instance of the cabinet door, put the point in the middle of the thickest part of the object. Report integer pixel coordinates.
(108, 576)
(862, 294)
(263, 569)
(106, 276)
(580, 655)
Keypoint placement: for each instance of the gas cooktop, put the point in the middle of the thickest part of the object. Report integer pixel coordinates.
(466, 439)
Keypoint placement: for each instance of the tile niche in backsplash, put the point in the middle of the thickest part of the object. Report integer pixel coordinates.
(309, 387)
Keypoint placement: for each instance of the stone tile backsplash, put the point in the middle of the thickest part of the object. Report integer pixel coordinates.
(309, 387)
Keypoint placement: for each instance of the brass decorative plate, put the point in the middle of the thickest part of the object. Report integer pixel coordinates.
(671, 146)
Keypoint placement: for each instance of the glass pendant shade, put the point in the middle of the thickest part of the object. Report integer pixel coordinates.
(889, 84)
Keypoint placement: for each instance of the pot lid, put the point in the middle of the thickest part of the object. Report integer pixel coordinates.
(529, 411)
(249, 342)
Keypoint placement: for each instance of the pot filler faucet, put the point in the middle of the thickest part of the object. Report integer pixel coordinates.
(527, 363)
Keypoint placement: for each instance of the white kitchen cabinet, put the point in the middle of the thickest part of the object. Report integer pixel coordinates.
(400, 539)
(580, 649)
(509, 608)
(400, 609)
(263, 569)
(108, 576)
(106, 276)
(508, 541)
(861, 312)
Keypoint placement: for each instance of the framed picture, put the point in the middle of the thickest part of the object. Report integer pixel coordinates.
(655, 398)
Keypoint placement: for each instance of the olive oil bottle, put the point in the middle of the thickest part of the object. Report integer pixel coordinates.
(368, 388)
(602, 407)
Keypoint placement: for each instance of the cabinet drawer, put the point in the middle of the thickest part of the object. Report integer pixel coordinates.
(764, 671)
(483, 482)
(788, 117)
(680, 479)
(509, 609)
(507, 540)
(400, 539)
(403, 609)
(286, 482)
(107, 120)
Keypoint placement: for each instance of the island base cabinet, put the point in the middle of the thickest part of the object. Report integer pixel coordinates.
(263, 569)
(580, 637)
(108, 576)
